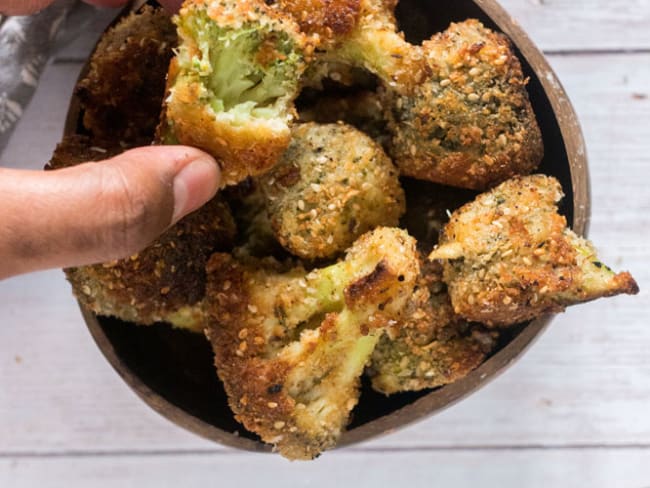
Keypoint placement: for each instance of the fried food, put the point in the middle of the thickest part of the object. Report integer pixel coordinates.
(357, 33)
(122, 93)
(233, 82)
(166, 281)
(332, 185)
(290, 345)
(430, 345)
(508, 256)
(470, 124)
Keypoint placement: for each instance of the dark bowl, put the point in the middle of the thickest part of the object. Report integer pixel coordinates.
(172, 370)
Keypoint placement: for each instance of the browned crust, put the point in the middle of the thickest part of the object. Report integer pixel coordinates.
(163, 278)
(430, 346)
(516, 259)
(122, 93)
(241, 151)
(471, 124)
(370, 287)
(328, 19)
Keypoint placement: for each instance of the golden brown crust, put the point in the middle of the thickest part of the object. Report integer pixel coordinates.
(122, 93)
(508, 256)
(430, 346)
(470, 124)
(332, 185)
(290, 346)
(327, 19)
(219, 115)
(166, 279)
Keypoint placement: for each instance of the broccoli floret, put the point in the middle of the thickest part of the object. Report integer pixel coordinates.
(357, 33)
(290, 345)
(430, 346)
(233, 82)
(508, 256)
(470, 123)
(332, 185)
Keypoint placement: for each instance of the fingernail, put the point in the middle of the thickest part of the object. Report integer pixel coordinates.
(194, 185)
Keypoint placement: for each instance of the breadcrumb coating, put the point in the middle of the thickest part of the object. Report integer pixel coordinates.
(508, 256)
(430, 346)
(166, 281)
(233, 82)
(470, 124)
(290, 345)
(122, 93)
(332, 185)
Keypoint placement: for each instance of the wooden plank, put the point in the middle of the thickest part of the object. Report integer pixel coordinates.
(583, 383)
(508, 468)
(555, 25)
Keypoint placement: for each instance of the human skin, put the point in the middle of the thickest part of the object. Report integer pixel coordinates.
(97, 212)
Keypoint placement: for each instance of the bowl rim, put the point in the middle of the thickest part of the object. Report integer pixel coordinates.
(440, 398)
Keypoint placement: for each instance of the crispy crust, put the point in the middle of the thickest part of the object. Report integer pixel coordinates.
(280, 359)
(470, 124)
(122, 93)
(431, 346)
(242, 150)
(332, 185)
(508, 256)
(327, 19)
(166, 279)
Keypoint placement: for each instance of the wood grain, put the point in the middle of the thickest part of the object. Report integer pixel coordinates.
(593, 468)
(572, 412)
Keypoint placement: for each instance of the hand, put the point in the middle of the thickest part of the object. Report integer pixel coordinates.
(97, 212)
(26, 7)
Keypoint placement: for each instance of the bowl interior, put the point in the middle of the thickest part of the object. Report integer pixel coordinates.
(172, 370)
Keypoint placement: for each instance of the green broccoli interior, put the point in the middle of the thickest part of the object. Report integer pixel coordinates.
(247, 71)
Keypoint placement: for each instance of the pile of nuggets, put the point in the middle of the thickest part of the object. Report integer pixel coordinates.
(301, 272)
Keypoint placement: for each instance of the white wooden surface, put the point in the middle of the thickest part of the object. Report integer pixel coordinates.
(574, 411)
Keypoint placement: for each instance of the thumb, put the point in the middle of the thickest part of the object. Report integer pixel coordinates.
(97, 212)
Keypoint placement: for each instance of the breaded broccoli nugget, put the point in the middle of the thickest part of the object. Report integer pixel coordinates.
(508, 256)
(290, 345)
(122, 93)
(470, 124)
(357, 33)
(430, 345)
(166, 280)
(332, 184)
(233, 82)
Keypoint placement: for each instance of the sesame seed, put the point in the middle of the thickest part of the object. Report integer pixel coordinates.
(473, 97)
(544, 289)
(301, 205)
(474, 72)
(243, 334)
(252, 308)
(226, 285)
(539, 251)
(315, 187)
(86, 289)
(528, 261)
(498, 224)
(331, 206)
(272, 405)
(278, 425)
(507, 300)
(243, 345)
(506, 253)
(165, 290)
(445, 82)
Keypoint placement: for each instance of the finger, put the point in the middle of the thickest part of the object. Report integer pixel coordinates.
(97, 212)
(22, 7)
